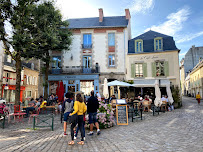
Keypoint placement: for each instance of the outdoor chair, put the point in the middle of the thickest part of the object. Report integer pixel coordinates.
(34, 115)
(164, 106)
(145, 105)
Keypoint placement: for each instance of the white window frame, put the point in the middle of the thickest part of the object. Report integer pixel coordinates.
(27, 93)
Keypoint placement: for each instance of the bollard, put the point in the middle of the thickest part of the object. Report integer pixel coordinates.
(34, 123)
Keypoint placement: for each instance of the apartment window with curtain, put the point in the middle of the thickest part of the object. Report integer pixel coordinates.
(138, 70)
(87, 41)
(160, 68)
(111, 39)
(111, 61)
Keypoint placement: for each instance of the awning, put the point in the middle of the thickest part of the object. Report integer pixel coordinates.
(150, 83)
(118, 83)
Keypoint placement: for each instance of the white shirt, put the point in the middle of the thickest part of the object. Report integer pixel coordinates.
(163, 99)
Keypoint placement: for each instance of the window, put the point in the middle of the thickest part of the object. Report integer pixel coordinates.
(36, 81)
(160, 68)
(8, 59)
(87, 41)
(139, 45)
(7, 77)
(138, 70)
(28, 94)
(158, 43)
(56, 62)
(111, 60)
(111, 39)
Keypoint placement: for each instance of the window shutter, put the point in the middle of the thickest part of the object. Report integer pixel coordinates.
(30, 79)
(166, 68)
(153, 69)
(132, 70)
(27, 79)
(144, 69)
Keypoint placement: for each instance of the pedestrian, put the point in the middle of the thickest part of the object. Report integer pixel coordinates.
(92, 106)
(79, 110)
(198, 97)
(67, 108)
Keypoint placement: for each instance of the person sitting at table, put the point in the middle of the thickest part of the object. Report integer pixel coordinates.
(32, 108)
(44, 104)
(146, 98)
(163, 98)
(112, 97)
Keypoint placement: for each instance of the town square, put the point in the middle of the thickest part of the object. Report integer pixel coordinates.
(89, 75)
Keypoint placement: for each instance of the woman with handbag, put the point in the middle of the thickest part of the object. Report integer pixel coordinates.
(77, 117)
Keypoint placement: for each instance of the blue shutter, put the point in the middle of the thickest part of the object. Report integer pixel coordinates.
(85, 39)
(89, 39)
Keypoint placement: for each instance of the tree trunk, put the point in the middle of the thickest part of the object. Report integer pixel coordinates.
(18, 79)
(46, 80)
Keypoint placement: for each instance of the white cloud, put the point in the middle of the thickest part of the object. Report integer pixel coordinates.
(182, 54)
(141, 6)
(76, 9)
(174, 22)
(188, 37)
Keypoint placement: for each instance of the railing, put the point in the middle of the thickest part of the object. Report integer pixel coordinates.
(75, 70)
(86, 46)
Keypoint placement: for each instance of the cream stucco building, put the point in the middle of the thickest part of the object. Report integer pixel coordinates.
(196, 79)
(152, 56)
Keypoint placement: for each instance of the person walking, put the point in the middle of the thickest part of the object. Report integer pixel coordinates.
(67, 108)
(92, 106)
(79, 109)
(198, 97)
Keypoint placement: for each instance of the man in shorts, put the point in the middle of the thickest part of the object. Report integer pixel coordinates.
(92, 106)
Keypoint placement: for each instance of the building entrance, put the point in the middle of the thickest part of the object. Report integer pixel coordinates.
(86, 86)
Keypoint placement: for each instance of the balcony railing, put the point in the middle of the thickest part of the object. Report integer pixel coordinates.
(86, 46)
(75, 70)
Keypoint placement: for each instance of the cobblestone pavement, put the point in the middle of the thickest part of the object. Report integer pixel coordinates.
(178, 131)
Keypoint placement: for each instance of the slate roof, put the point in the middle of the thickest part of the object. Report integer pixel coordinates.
(148, 42)
(115, 21)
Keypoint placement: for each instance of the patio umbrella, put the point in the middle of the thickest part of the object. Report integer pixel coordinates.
(157, 100)
(118, 83)
(61, 91)
(168, 90)
(105, 89)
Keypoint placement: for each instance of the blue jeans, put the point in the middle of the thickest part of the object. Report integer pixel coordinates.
(66, 116)
(28, 109)
(92, 117)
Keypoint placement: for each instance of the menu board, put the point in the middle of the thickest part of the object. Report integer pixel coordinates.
(122, 114)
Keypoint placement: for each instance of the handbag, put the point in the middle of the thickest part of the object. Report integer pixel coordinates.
(73, 119)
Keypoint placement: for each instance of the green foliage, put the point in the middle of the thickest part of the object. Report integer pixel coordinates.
(176, 95)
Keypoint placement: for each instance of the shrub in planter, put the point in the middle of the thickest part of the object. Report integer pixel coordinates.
(104, 116)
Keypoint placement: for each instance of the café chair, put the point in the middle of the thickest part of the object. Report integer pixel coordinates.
(164, 106)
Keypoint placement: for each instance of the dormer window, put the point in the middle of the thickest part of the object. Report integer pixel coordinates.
(158, 43)
(139, 45)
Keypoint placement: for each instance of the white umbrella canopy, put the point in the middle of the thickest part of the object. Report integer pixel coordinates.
(118, 83)
(168, 90)
(157, 100)
(105, 89)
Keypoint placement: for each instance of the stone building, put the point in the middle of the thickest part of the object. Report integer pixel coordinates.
(30, 81)
(191, 59)
(152, 56)
(98, 50)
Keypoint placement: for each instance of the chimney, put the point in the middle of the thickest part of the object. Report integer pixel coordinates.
(127, 14)
(101, 15)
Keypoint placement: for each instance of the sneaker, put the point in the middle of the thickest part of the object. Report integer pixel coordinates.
(75, 137)
(98, 132)
(65, 134)
(90, 133)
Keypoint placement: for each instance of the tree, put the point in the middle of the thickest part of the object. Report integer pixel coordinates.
(19, 43)
(52, 35)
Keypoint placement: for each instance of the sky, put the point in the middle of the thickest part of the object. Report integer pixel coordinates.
(182, 19)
